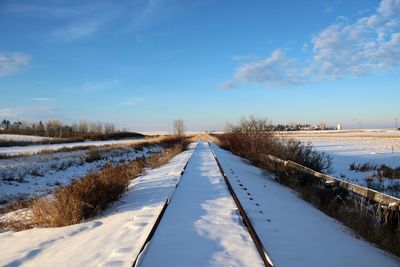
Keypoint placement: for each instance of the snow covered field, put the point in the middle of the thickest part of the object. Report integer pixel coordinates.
(23, 138)
(379, 133)
(379, 147)
(22, 177)
(21, 150)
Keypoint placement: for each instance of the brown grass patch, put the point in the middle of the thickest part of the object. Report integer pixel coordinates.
(85, 197)
(94, 192)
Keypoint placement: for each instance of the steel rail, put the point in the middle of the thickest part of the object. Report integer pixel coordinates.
(160, 215)
(260, 247)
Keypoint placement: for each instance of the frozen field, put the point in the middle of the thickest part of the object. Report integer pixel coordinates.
(19, 150)
(22, 138)
(374, 146)
(22, 177)
(373, 133)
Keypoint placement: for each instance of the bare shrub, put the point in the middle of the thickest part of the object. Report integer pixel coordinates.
(380, 171)
(254, 139)
(178, 127)
(92, 155)
(85, 197)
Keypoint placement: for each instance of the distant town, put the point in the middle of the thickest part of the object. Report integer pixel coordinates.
(306, 127)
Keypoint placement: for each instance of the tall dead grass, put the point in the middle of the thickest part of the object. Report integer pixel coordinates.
(91, 194)
(85, 197)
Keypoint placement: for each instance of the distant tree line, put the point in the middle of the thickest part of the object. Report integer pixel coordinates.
(56, 128)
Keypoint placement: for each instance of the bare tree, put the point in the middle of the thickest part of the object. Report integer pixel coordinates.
(53, 128)
(109, 128)
(178, 127)
(83, 127)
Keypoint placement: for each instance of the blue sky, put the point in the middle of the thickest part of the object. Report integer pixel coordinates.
(142, 64)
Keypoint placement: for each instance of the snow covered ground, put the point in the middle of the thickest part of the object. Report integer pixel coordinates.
(20, 150)
(22, 177)
(379, 133)
(294, 232)
(201, 225)
(112, 239)
(382, 147)
(22, 138)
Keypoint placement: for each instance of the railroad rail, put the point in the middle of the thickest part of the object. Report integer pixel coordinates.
(260, 247)
(158, 220)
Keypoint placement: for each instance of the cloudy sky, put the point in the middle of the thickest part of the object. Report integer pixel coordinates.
(143, 63)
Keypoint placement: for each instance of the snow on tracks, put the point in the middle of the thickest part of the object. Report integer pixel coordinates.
(201, 225)
(293, 231)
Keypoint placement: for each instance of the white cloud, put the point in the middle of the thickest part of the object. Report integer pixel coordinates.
(343, 49)
(42, 99)
(43, 11)
(276, 69)
(245, 57)
(228, 85)
(133, 101)
(12, 63)
(31, 113)
(389, 8)
(94, 87)
(76, 30)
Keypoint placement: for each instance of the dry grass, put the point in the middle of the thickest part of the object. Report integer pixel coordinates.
(92, 193)
(17, 205)
(158, 159)
(85, 197)
(255, 147)
(93, 154)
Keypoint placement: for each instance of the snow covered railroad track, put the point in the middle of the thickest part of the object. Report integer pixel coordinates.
(260, 247)
(160, 215)
(201, 225)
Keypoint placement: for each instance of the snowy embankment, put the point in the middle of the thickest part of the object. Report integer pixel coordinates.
(114, 238)
(22, 150)
(23, 138)
(24, 177)
(294, 232)
(201, 225)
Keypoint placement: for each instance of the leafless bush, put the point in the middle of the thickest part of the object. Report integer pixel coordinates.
(254, 139)
(85, 197)
(179, 128)
(92, 155)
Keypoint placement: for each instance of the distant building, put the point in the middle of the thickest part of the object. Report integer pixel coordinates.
(339, 127)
